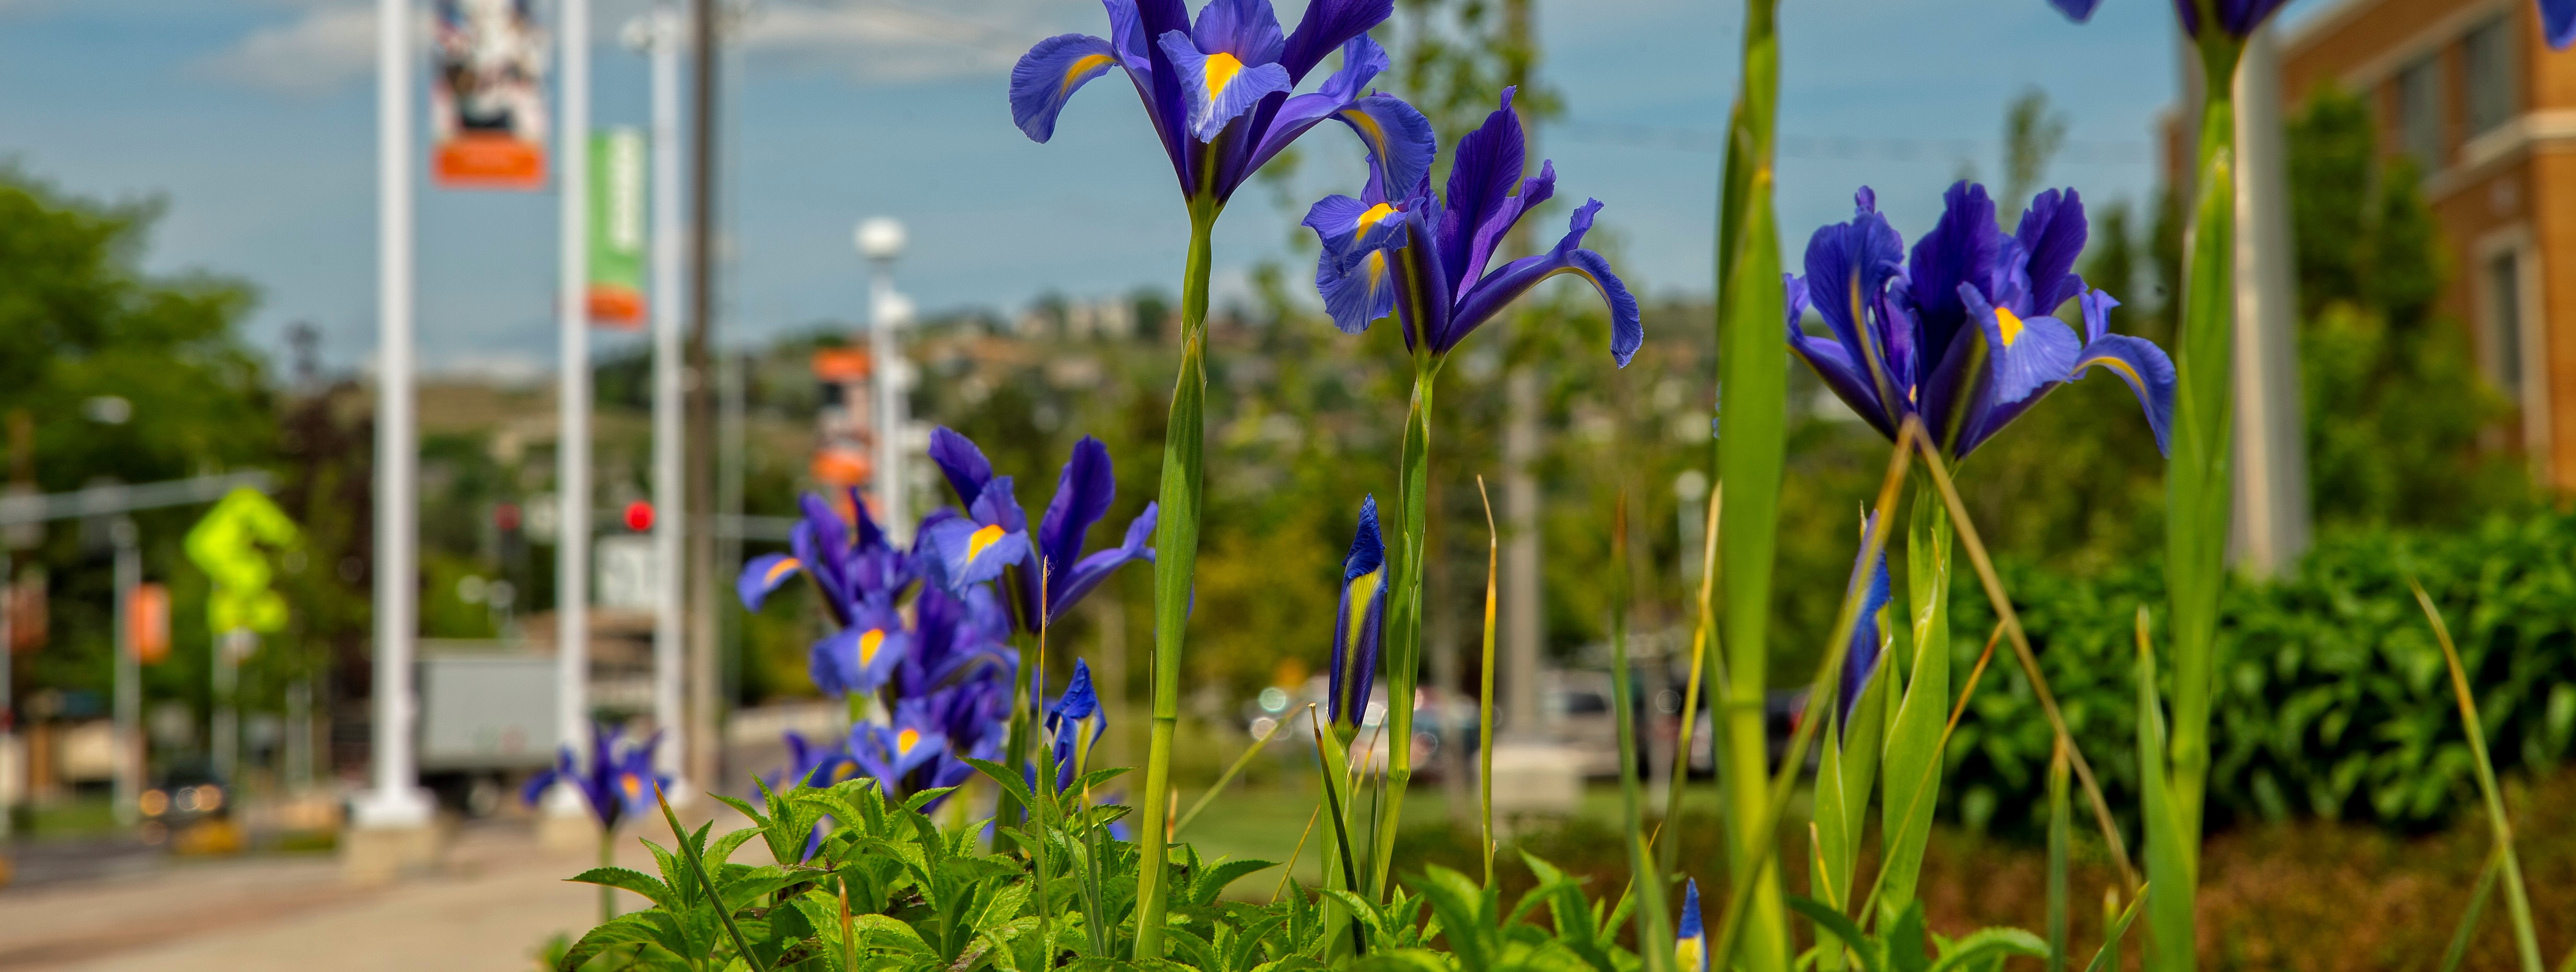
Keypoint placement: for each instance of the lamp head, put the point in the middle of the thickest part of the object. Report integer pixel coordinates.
(880, 238)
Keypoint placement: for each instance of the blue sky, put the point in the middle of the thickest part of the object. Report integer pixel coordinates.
(253, 121)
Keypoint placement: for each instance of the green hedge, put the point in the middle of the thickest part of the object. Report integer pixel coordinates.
(2334, 701)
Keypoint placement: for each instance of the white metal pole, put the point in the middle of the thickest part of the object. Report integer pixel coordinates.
(572, 384)
(397, 800)
(662, 36)
(887, 355)
(128, 702)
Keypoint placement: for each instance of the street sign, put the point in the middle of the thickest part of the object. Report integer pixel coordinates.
(226, 545)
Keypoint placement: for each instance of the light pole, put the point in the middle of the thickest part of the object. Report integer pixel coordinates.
(880, 240)
(658, 35)
(397, 804)
(572, 390)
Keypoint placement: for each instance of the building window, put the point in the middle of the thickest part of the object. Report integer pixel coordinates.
(2489, 48)
(2419, 112)
(2504, 322)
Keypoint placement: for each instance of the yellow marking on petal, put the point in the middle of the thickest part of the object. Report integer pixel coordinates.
(868, 645)
(634, 786)
(2117, 365)
(1687, 954)
(1370, 131)
(981, 539)
(842, 771)
(1219, 71)
(1376, 269)
(1073, 74)
(1375, 215)
(780, 569)
(905, 740)
(2010, 324)
(1360, 588)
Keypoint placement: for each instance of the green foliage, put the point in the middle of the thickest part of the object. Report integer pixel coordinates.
(2331, 699)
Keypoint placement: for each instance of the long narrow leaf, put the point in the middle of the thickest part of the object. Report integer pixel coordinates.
(2107, 958)
(1227, 778)
(2517, 903)
(2477, 909)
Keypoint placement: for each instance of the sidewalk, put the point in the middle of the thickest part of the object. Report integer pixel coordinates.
(495, 898)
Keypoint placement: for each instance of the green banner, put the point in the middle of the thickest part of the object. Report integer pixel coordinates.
(617, 227)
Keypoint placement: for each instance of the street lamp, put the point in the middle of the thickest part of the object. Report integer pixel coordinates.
(880, 239)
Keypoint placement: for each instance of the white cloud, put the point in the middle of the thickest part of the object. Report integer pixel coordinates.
(326, 46)
(879, 40)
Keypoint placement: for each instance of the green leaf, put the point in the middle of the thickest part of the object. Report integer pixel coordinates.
(1209, 882)
(639, 928)
(1832, 922)
(1989, 945)
(2107, 959)
(629, 880)
(1914, 736)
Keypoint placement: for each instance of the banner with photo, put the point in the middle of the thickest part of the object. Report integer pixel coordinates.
(487, 96)
(617, 228)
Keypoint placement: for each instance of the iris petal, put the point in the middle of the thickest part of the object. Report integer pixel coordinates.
(763, 576)
(1848, 267)
(2052, 234)
(2558, 20)
(2025, 356)
(1218, 87)
(1483, 173)
(1083, 492)
(1500, 287)
(1049, 74)
(1861, 663)
(1247, 29)
(2076, 10)
(1399, 140)
(2136, 360)
(961, 461)
(1091, 570)
(1357, 628)
(1328, 24)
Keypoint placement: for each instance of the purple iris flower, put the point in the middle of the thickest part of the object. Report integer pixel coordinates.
(1359, 626)
(848, 560)
(2237, 17)
(1959, 334)
(892, 752)
(1861, 662)
(616, 781)
(1076, 721)
(974, 548)
(954, 639)
(1084, 491)
(860, 658)
(1425, 260)
(2558, 21)
(1219, 91)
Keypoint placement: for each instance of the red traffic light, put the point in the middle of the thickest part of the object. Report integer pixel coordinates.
(639, 516)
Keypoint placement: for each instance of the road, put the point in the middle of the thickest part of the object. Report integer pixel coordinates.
(493, 900)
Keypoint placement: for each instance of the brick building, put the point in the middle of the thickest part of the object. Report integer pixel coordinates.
(2469, 90)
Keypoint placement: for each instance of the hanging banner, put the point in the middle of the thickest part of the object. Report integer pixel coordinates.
(617, 228)
(487, 103)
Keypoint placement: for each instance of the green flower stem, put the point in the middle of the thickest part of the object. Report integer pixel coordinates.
(1668, 853)
(1404, 613)
(1654, 929)
(1176, 555)
(2517, 902)
(2197, 490)
(1753, 401)
(607, 858)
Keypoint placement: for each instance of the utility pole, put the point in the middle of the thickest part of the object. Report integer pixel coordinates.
(572, 400)
(128, 702)
(703, 764)
(1523, 602)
